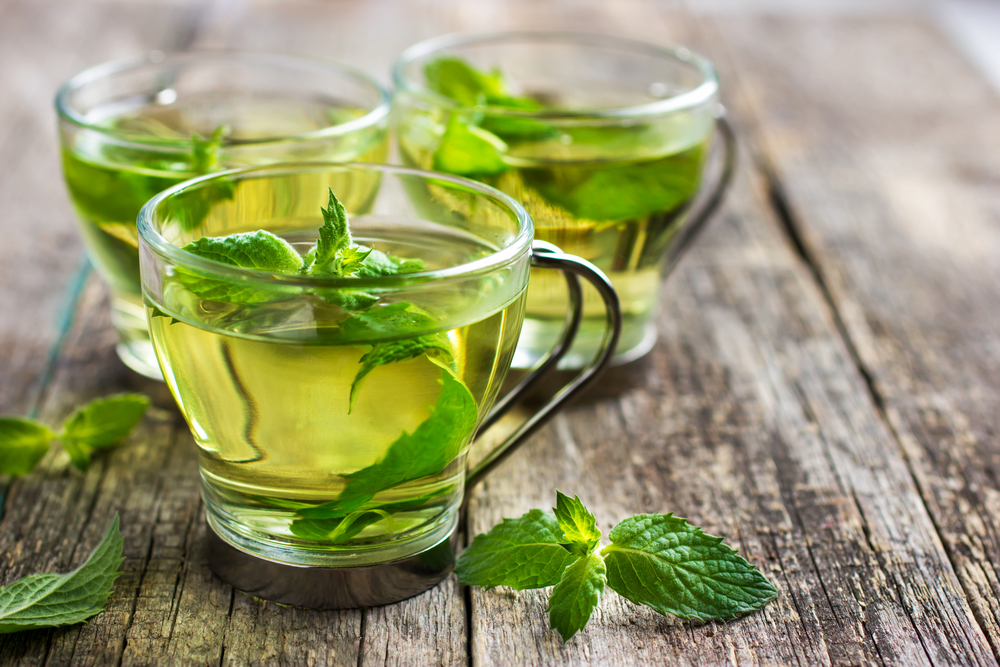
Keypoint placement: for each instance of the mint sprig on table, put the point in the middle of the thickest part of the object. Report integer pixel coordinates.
(98, 425)
(50, 600)
(657, 560)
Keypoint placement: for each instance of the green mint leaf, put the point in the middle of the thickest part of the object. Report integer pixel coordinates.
(23, 443)
(391, 320)
(48, 600)
(350, 260)
(336, 510)
(576, 595)
(205, 152)
(455, 78)
(351, 300)
(337, 530)
(426, 451)
(665, 563)
(577, 523)
(466, 150)
(624, 191)
(378, 264)
(334, 236)
(260, 250)
(434, 345)
(79, 455)
(520, 553)
(105, 422)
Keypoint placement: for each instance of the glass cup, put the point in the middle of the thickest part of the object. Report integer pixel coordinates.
(333, 416)
(605, 141)
(132, 128)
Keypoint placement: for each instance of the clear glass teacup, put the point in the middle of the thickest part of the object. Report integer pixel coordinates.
(604, 140)
(130, 129)
(333, 415)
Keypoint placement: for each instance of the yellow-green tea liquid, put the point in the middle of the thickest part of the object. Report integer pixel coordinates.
(270, 412)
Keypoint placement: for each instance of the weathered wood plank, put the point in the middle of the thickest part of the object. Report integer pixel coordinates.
(42, 45)
(884, 144)
(750, 418)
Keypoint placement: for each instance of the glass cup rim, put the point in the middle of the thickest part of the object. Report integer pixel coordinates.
(699, 95)
(519, 246)
(159, 59)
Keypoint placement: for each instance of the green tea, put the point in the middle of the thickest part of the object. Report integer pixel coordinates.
(615, 193)
(310, 452)
(136, 152)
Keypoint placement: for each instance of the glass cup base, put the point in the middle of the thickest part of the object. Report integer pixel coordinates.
(539, 335)
(269, 547)
(331, 587)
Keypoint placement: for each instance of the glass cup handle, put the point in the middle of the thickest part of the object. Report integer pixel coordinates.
(698, 219)
(548, 256)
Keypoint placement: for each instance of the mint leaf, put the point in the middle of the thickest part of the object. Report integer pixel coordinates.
(577, 523)
(106, 421)
(350, 261)
(466, 150)
(23, 443)
(377, 264)
(337, 530)
(434, 345)
(205, 152)
(394, 319)
(48, 600)
(455, 78)
(334, 236)
(79, 455)
(351, 300)
(260, 250)
(623, 191)
(665, 563)
(427, 451)
(520, 553)
(576, 595)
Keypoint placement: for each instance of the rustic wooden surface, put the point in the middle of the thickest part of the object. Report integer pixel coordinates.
(824, 392)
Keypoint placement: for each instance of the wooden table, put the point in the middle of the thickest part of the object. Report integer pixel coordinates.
(824, 393)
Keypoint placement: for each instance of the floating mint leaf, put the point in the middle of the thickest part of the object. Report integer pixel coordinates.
(48, 600)
(205, 152)
(467, 150)
(665, 563)
(520, 553)
(350, 260)
(455, 78)
(426, 451)
(260, 250)
(577, 523)
(434, 345)
(396, 319)
(377, 263)
(576, 595)
(23, 443)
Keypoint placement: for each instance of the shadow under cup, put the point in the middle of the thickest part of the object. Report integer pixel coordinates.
(333, 415)
(604, 140)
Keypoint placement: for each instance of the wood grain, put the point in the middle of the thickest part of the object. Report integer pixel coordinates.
(752, 417)
(887, 163)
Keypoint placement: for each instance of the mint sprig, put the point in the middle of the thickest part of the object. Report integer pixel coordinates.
(657, 560)
(97, 425)
(49, 600)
